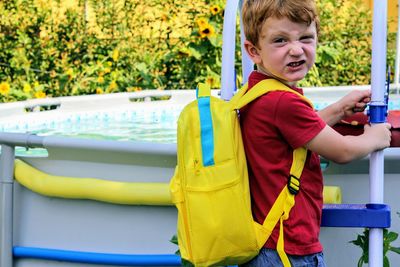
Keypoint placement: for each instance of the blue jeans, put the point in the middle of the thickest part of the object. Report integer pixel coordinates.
(270, 258)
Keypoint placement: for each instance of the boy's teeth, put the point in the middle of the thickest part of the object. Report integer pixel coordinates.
(294, 64)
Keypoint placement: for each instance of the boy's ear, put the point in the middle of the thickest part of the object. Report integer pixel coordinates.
(252, 51)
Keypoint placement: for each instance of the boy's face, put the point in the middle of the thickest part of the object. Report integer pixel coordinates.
(286, 50)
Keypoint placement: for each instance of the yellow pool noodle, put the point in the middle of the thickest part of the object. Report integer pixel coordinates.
(332, 195)
(127, 193)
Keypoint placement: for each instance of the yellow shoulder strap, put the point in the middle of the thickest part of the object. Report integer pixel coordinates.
(243, 97)
(285, 201)
(203, 90)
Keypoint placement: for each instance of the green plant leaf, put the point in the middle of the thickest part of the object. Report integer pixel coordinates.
(391, 236)
(174, 240)
(395, 249)
(360, 262)
(195, 53)
(386, 262)
(186, 263)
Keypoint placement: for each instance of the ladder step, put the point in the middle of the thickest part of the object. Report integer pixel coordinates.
(356, 215)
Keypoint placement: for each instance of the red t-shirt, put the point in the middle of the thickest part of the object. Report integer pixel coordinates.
(273, 126)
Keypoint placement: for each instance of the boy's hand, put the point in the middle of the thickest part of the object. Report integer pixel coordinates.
(355, 101)
(379, 134)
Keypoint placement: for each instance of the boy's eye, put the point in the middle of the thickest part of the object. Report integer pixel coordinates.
(307, 38)
(279, 40)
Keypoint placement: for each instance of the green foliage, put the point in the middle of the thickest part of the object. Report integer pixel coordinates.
(363, 242)
(185, 263)
(51, 48)
(345, 45)
(75, 47)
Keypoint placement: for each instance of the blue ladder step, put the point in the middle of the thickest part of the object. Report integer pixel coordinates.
(356, 215)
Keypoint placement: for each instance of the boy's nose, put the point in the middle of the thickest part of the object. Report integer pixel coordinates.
(295, 50)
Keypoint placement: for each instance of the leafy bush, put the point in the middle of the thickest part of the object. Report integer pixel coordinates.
(74, 47)
(345, 43)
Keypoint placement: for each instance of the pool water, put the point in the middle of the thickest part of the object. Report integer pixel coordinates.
(155, 126)
(148, 125)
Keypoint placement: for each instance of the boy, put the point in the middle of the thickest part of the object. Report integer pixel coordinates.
(281, 40)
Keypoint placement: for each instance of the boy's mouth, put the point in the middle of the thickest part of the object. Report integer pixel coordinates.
(296, 64)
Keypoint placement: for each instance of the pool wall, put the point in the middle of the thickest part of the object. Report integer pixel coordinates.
(103, 228)
(92, 226)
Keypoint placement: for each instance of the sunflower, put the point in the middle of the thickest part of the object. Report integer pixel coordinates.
(4, 88)
(215, 9)
(206, 31)
(201, 22)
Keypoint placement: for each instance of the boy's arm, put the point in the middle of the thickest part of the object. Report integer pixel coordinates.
(355, 101)
(342, 149)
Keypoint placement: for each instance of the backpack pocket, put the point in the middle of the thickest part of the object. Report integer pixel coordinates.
(220, 221)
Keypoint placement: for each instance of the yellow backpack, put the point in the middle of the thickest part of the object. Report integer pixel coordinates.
(210, 187)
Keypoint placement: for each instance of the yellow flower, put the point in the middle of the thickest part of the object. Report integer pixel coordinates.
(107, 70)
(4, 88)
(43, 33)
(109, 63)
(206, 31)
(40, 94)
(100, 79)
(201, 22)
(113, 85)
(36, 84)
(215, 9)
(99, 91)
(210, 81)
(53, 74)
(115, 55)
(27, 88)
(74, 90)
(164, 17)
(70, 73)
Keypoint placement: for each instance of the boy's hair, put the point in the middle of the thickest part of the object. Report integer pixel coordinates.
(256, 12)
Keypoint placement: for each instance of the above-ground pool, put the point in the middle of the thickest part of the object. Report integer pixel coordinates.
(45, 228)
(116, 117)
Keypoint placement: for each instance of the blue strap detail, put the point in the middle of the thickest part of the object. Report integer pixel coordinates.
(207, 134)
